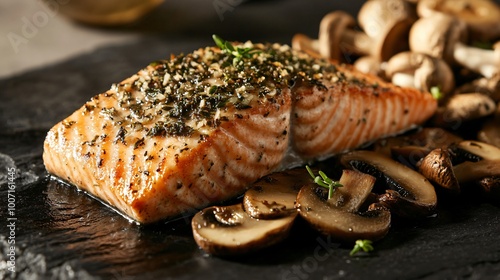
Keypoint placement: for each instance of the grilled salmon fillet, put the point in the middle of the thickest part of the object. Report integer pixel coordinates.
(198, 128)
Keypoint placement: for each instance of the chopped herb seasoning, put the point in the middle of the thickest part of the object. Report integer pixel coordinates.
(177, 97)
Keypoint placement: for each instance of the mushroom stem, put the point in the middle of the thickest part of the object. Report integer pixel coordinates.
(486, 62)
(303, 43)
(356, 42)
(337, 37)
(403, 80)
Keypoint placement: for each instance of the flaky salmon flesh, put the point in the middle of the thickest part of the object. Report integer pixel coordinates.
(199, 128)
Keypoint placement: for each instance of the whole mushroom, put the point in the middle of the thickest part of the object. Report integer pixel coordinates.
(421, 71)
(481, 16)
(443, 36)
(464, 107)
(488, 86)
(338, 38)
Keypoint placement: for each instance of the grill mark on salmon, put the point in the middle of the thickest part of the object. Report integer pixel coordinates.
(196, 129)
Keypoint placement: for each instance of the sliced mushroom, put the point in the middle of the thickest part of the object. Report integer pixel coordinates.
(229, 230)
(468, 171)
(443, 36)
(481, 16)
(410, 148)
(437, 167)
(462, 108)
(409, 193)
(274, 195)
(339, 216)
(474, 151)
(421, 71)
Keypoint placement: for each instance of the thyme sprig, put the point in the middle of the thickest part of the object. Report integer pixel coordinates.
(362, 244)
(324, 181)
(238, 53)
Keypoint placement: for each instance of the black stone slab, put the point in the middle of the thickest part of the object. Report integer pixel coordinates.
(62, 233)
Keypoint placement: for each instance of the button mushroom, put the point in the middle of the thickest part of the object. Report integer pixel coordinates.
(229, 230)
(338, 37)
(462, 108)
(488, 86)
(340, 216)
(481, 16)
(389, 19)
(421, 71)
(274, 195)
(443, 36)
(409, 193)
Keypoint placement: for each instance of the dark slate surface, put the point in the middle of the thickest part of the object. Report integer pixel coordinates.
(64, 234)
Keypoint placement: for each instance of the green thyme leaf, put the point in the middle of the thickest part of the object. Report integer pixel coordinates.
(324, 181)
(365, 245)
(237, 53)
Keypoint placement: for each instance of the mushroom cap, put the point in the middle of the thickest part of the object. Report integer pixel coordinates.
(339, 216)
(331, 30)
(410, 194)
(436, 36)
(489, 86)
(427, 137)
(464, 107)
(427, 71)
(438, 168)
(229, 230)
(388, 22)
(481, 16)
(274, 195)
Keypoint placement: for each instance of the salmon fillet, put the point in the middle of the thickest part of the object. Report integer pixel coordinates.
(199, 128)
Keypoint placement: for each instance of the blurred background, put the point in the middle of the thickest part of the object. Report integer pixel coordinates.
(38, 33)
